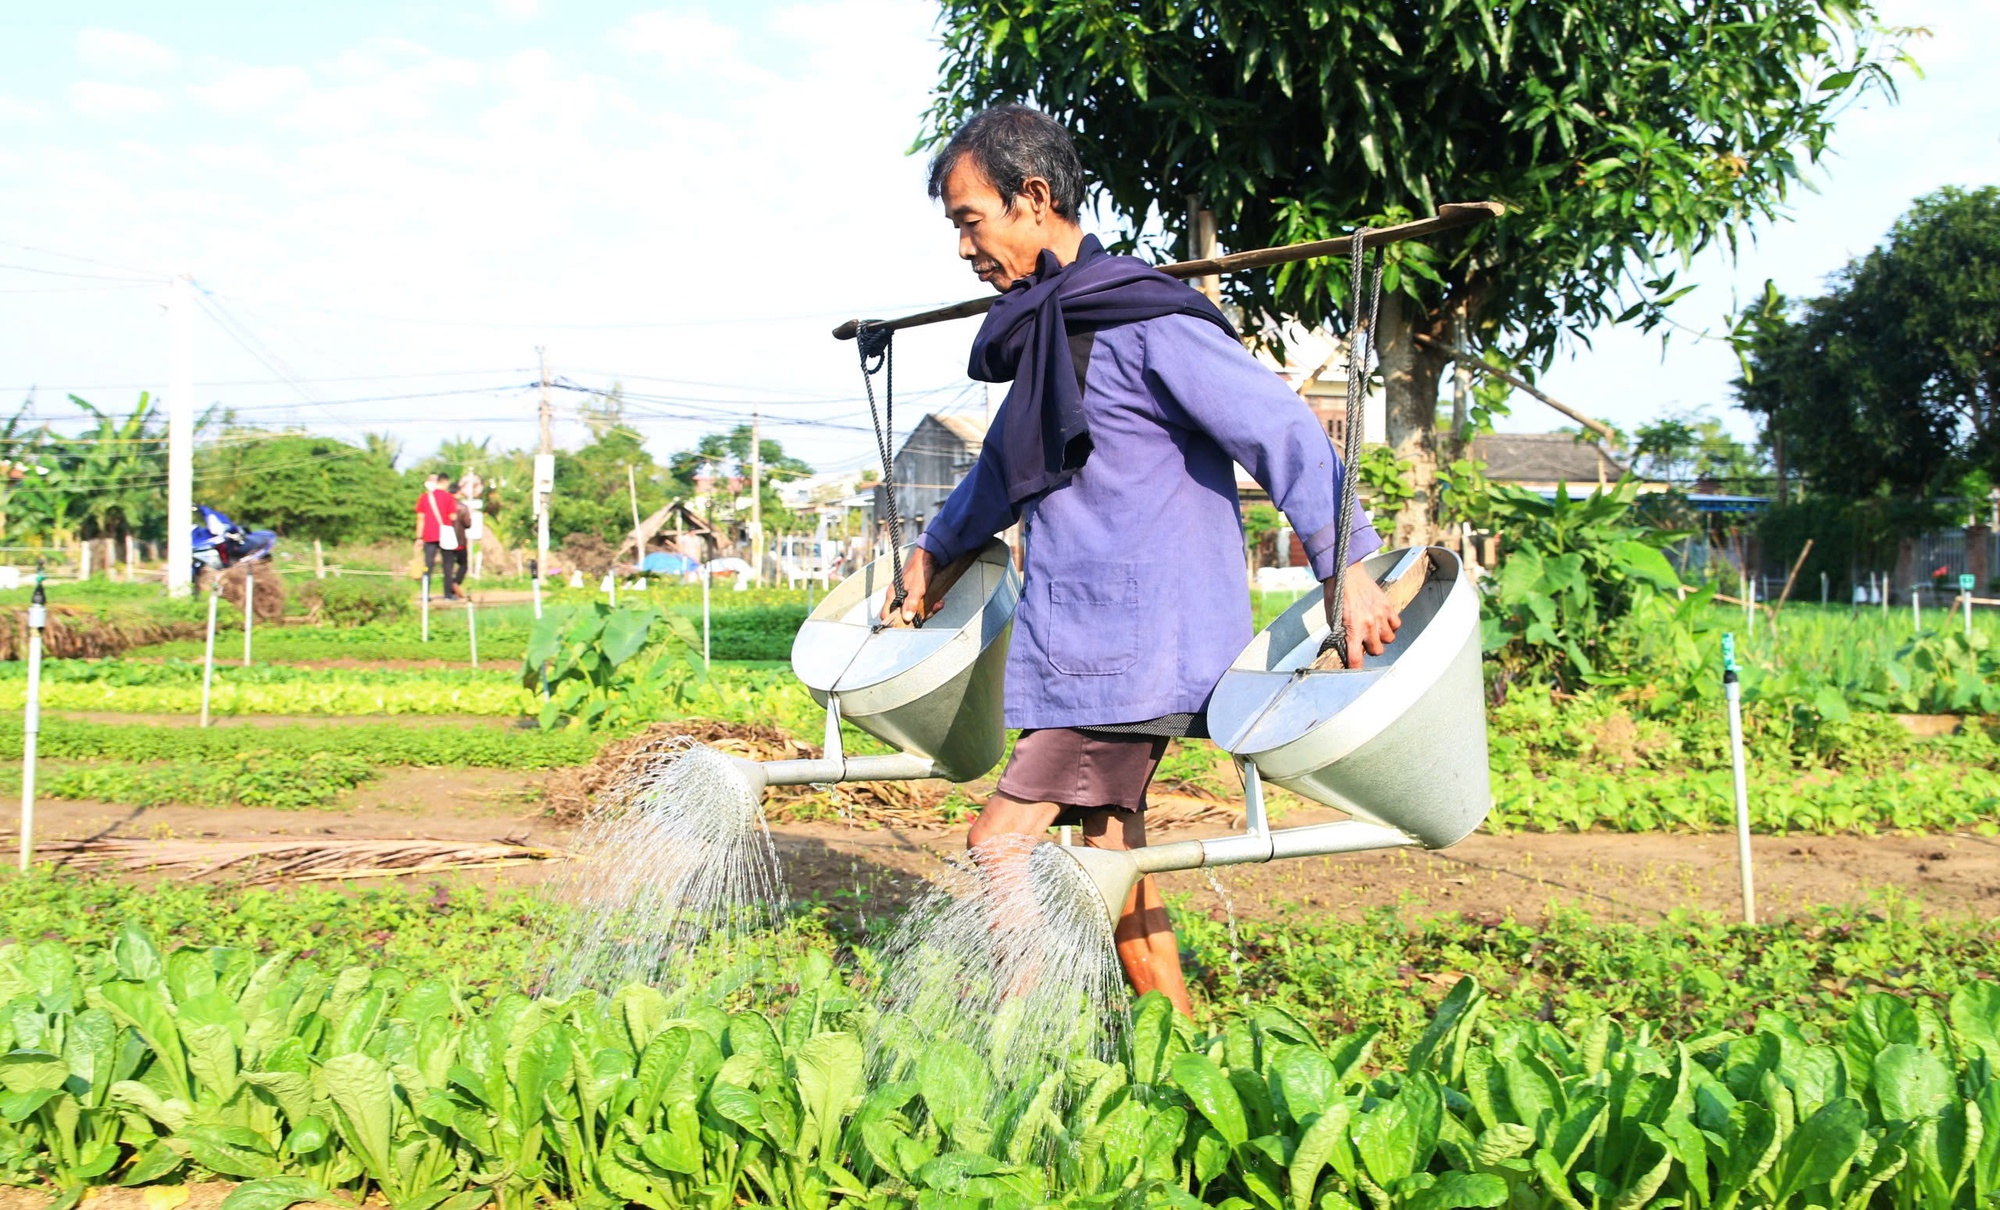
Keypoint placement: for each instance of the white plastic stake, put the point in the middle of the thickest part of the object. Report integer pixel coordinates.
(427, 608)
(208, 657)
(1823, 584)
(1967, 598)
(249, 611)
(704, 616)
(1734, 692)
(535, 585)
(31, 724)
(1916, 610)
(319, 561)
(1885, 596)
(472, 629)
(1749, 606)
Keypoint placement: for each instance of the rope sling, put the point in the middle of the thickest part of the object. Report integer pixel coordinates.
(878, 355)
(1360, 348)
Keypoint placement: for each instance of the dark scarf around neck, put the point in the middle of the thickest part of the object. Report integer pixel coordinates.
(1043, 433)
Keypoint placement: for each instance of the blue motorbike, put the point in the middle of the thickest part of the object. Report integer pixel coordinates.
(220, 544)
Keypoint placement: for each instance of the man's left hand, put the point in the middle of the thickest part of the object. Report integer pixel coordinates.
(1372, 621)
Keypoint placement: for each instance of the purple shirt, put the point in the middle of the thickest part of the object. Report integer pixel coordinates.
(1136, 595)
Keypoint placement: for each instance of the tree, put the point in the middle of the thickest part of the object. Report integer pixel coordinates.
(304, 486)
(1890, 382)
(1619, 133)
(727, 456)
(1690, 448)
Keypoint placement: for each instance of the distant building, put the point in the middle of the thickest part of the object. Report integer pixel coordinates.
(938, 453)
(1540, 461)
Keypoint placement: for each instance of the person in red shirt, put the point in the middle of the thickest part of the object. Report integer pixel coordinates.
(437, 512)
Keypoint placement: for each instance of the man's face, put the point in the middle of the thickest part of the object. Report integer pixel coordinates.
(1002, 241)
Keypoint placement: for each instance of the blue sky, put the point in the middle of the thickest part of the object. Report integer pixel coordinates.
(391, 205)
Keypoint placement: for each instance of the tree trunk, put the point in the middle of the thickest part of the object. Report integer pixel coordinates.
(1410, 374)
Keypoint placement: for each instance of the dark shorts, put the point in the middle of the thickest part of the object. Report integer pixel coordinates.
(1079, 771)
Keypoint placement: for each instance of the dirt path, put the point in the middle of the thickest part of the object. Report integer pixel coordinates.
(1611, 876)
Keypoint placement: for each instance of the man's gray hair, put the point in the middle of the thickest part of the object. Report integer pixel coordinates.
(1011, 143)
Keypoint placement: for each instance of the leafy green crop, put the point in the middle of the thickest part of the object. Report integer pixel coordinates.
(127, 1064)
(257, 779)
(488, 747)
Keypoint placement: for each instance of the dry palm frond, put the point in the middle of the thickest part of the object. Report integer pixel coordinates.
(265, 859)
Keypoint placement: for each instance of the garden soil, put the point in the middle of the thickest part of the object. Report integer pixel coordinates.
(874, 869)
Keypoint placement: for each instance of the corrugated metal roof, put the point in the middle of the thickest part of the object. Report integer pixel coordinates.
(1543, 458)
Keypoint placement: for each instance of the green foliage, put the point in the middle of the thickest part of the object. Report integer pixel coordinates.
(378, 744)
(263, 778)
(1687, 448)
(305, 486)
(750, 634)
(1887, 382)
(105, 482)
(129, 1064)
(1572, 569)
(1591, 763)
(175, 688)
(583, 659)
(1621, 136)
(357, 600)
(1386, 478)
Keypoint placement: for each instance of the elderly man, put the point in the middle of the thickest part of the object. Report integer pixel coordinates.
(1131, 397)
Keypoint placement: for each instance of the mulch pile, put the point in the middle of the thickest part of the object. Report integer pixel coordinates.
(77, 632)
(267, 859)
(572, 794)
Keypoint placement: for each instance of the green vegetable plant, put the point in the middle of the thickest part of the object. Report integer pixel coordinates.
(132, 1065)
(587, 663)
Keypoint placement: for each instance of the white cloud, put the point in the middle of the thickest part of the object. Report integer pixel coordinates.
(250, 90)
(518, 10)
(688, 42)
(99, 99)
(19, 113)
(122, 53)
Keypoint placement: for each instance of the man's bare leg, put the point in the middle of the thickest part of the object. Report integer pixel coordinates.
(1147, 947)
(1144, 936)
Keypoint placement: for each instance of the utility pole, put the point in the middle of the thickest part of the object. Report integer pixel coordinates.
(180, 435)
(756, 498)
(547, 415)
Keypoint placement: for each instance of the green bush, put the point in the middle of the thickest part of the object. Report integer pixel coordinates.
(282, 780)
(755, 633)
(358, 600)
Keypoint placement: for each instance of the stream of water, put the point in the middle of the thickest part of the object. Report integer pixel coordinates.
(677, 862)
(1009, 959)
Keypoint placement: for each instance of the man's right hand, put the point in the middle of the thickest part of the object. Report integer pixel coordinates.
(916, 582)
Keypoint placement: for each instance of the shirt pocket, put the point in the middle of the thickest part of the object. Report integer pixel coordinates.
(1094, 623)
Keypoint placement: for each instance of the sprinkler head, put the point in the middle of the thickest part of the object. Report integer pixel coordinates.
(1112, 874)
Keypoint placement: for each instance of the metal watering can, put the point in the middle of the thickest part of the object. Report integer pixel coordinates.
(932, 691)
(1400, 745)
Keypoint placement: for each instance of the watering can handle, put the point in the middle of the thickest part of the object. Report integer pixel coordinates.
(935, 589)
(1401, 585)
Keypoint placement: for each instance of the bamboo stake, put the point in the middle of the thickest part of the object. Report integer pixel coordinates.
(31, 722)
(1785, 593)
(1449, 217)
(208, 653)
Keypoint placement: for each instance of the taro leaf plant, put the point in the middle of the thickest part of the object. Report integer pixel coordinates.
(1624, 136)
(1573, 568)
(599, 667)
